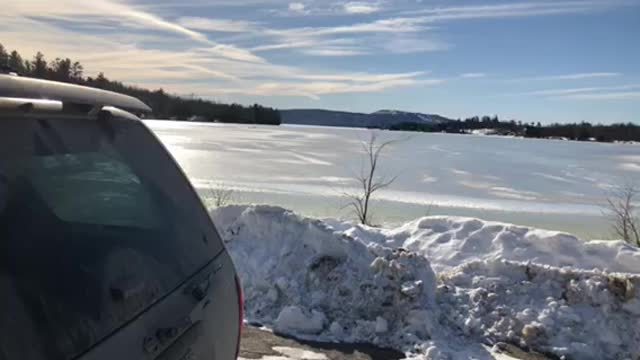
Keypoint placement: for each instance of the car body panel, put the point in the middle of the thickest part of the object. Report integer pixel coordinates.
(12, 86)
(148, 309)
(180, 311)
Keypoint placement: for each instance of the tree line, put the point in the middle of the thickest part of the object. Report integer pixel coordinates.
(583, 131)
(165, 106)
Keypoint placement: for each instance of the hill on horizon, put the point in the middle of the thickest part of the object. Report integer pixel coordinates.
(380, 119)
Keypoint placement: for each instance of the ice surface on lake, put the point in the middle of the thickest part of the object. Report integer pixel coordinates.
(545, 183)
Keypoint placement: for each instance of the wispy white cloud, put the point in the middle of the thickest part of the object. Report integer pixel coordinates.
(312, 90)
(428, 12)
(322, 40)
(233, 52)
(358, 7)
(294, 44)
(571, 91)
(151, 45)
(407, 44)
(581, 76)
(473, 75)
(318, 47)
(596, 93)
(102, 9)
(513, 9)
(578, 76)
(416, 21)
(390, 25)
(190, 67)
(297, 7)
(219, 25)
(366, 77)
(629, 95)
(334, 51)
(210, 4)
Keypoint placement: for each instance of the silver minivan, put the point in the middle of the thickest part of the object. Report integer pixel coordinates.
(106, 251)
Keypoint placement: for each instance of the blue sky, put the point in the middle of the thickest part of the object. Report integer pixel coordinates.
(547, 61)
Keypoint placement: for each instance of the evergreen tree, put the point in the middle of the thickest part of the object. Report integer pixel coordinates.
(16, 63)
(4, 57)
(28, 69)
(101, 81)
(39, 66)
(76, 71)
(61, 69)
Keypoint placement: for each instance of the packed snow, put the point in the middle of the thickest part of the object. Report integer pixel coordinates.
(436, 287)
(451, 241)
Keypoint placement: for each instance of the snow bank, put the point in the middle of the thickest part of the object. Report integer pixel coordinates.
(578, 314)
(331, 280)
(451, 241)
(301, 277)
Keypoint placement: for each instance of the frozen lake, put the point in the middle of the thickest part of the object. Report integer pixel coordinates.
(558, 185)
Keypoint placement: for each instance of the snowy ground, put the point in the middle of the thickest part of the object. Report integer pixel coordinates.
(436, 287)
(263, 344)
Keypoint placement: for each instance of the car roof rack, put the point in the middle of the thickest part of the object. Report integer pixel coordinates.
(12, 86)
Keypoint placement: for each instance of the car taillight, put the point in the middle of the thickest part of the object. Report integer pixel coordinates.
(240, 313)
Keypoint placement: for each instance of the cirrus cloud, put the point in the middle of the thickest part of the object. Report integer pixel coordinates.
(357, 7)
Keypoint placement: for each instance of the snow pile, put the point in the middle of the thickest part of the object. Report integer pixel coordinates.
(536, 289)
(579, 314)
(451, 241)
(301, 277)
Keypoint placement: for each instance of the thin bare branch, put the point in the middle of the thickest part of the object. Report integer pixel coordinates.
(220, 195)
(381, 184)
(367, 180)
(622, 209)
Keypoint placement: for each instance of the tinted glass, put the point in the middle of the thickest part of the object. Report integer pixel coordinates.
(96, 224)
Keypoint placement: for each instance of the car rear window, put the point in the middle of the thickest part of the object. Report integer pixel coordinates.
(97, 223)
(93, 188)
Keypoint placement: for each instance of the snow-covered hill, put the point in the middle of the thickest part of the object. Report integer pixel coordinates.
(379, 119)
(437, 287)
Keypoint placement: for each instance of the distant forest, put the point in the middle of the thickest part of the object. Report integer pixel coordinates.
(165, 106)
(583, 131)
